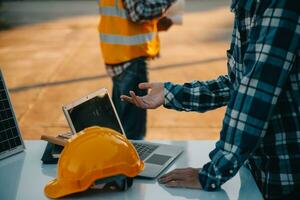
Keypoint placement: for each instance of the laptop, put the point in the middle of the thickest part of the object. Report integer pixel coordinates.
(97, 108)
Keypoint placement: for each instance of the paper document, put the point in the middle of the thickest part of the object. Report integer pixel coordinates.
(175, 12)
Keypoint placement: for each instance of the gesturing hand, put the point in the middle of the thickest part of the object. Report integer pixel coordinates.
(152, 100)
(186, 178)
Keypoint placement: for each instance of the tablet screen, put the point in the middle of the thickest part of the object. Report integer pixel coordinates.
(97, 111)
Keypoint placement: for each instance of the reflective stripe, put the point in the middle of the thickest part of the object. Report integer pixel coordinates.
(116, 4)
(112, 11)
(127, 40)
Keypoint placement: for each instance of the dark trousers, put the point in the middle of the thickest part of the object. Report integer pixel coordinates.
(132, 118)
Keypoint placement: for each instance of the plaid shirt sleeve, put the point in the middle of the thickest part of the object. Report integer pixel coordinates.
(197, 96)
(273, 44)
(143, 10)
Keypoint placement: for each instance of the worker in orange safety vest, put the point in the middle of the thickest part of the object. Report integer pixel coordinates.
(128, 32)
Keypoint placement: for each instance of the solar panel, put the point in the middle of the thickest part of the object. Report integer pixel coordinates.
(10, 138)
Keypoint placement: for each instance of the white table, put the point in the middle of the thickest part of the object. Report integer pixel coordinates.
(23, 176)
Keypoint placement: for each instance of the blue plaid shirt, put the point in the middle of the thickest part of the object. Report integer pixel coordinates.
(261, 126)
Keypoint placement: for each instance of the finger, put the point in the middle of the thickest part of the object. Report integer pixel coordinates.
(140, 101)
(133, 97)
(166, 175)
(178, 170)
(166, 180)
(144, 86)
(127, 98)
(137, 100)
(172, 177)
(176, 183)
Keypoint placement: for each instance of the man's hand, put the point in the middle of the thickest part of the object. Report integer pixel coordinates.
(186, 178)
(164, 24)
(152, 100)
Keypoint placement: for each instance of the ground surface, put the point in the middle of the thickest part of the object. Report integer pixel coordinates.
(50, 56)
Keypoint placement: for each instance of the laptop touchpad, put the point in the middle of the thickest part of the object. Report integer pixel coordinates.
(158, 159)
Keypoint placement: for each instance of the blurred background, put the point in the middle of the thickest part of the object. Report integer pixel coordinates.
(50, 56)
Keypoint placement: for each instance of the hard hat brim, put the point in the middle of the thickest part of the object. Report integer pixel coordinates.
(56, 189)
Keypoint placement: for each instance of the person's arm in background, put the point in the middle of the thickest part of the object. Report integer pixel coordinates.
(273, 44)
(143, 10)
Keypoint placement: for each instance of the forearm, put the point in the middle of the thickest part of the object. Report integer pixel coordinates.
(197, 96)
(143, 10)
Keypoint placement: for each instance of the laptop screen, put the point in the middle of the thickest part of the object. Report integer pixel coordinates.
(95, 111)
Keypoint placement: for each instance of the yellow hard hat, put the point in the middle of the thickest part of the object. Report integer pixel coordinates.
(93, 154)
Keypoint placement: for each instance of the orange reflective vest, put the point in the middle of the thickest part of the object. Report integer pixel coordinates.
(122, 40)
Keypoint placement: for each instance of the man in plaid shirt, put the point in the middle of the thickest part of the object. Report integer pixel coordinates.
(261, 126)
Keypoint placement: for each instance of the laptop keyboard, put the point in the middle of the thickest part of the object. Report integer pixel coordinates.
(144, 150)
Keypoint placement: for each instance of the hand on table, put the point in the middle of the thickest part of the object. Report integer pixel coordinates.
(152, 100)
(184, 178)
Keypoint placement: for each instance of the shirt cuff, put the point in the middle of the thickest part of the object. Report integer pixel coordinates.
(208, 183)
(173, 96)
(168, 96)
